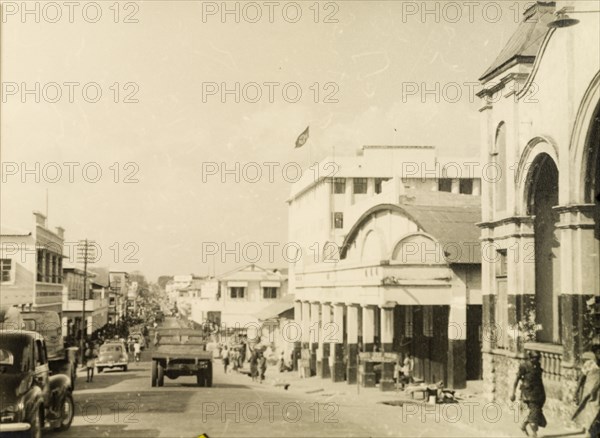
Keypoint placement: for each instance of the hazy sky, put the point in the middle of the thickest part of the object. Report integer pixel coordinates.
(168, 137)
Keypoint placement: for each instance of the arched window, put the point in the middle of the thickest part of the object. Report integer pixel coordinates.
(500, 161)
(543, 196)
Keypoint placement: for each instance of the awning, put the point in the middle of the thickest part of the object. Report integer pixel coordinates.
(237, 284)
(270, 284)
(277, 308)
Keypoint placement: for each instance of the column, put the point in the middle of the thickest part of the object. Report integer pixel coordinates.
(366, 369)
(336, 358)
(327, 329)
(578, 281)
(457, 342)
(305, 354)
(315, 335)
(370, 187)
(387, 342)
(368, 328)
(352, 342)
(42, 264)
(297, 347)
(349, 195)
(455, 188)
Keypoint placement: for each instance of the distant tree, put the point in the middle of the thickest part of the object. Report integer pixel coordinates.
(163, 280)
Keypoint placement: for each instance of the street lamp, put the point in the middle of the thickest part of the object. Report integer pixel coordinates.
(563, 20)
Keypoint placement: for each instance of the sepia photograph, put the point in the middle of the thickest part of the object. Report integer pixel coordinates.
(309, 218)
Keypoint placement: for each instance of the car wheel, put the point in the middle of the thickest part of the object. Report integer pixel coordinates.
(161, 375)
(200, 379)
(209, 378)
(100, 369)
(125, 368)
(36, 424)
(67, 412)
(154, 372)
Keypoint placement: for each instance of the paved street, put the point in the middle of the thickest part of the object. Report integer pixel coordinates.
(120, 403)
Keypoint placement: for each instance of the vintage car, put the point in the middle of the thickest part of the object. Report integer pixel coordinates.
(31, 398)
(112, 354)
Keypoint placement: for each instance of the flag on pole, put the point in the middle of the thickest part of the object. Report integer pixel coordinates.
(302, 138)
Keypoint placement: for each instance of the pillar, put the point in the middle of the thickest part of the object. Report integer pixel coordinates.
(315, 335)
(352, 344)
(297, 346)
(368, 328)
(457, 343)
(336, 358)
(305, 354)
(327, 329)
(349, 195)
(455, 188)
(387, 342)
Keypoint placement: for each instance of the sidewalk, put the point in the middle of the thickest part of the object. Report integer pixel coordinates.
(473, 414)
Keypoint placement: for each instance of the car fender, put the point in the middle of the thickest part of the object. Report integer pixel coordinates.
(60, 385)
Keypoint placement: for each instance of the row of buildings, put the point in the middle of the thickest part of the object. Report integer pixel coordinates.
(467, 271)
(465, 265)
(37, 275)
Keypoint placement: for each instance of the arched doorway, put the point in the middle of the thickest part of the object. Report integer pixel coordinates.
(543, 196)
(593, 182)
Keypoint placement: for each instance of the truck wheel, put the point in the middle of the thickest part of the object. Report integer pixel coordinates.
(209, 375)
(67, 412)
(161, 375)
(154, 372)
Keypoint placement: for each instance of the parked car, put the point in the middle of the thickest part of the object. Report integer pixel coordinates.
(112, 354)
(31, 398)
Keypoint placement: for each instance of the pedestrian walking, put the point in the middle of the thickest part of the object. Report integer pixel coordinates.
(234, 359)
(225, 355)
(130, 345)
(532, 393)
(253, 365)
(90, 355)
(406, 371)
(587, 395)
(137, 350)
(262, 365)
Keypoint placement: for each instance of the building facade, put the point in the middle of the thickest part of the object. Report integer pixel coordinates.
(541, 132)
(399, 275)
(95, 307)
(31, 263)
(233, 300)
(117, 298)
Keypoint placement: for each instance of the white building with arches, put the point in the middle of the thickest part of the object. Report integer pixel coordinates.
(398, 274)
(541, 129)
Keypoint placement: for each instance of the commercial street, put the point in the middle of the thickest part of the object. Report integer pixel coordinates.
(124, 404)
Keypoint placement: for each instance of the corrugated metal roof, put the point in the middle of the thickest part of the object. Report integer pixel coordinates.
(451, 219)
(524, 44)
(282, 305)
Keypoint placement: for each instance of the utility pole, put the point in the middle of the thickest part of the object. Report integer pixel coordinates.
(84, 252)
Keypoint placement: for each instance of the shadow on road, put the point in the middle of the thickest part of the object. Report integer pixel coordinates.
(112, 431)
(124, 406)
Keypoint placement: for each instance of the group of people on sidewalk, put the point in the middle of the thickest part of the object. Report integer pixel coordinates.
(236, 357)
